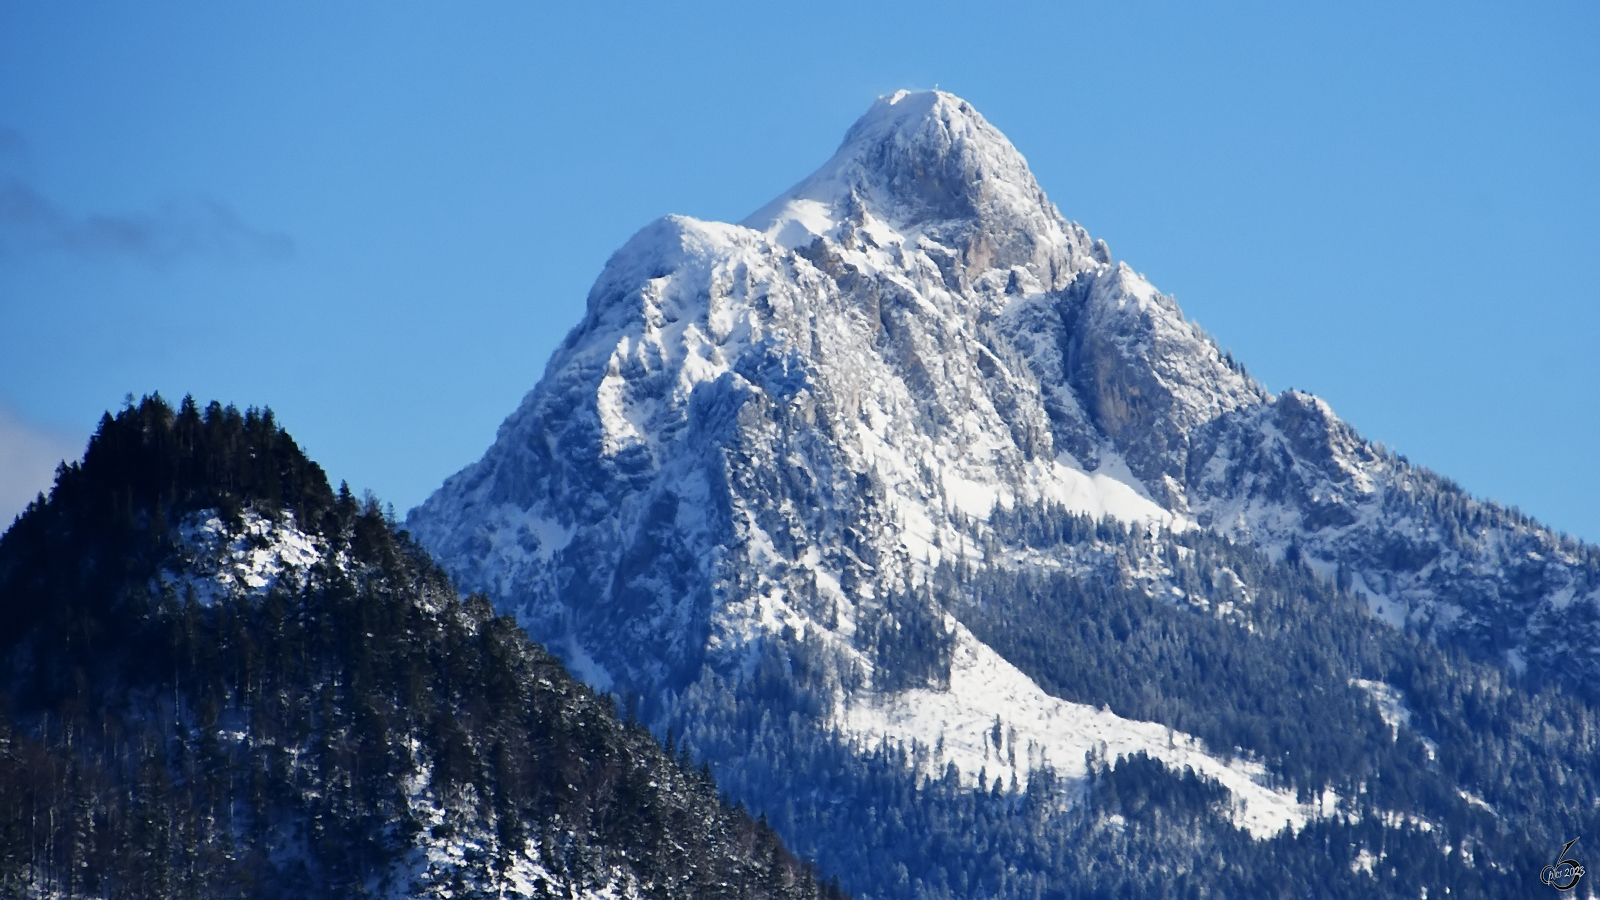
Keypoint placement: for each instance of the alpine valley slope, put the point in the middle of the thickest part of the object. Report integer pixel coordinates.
(866, 460)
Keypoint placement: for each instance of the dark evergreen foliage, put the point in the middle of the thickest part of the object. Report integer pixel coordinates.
(907, 642)
(893, 829)
(276, 746)
(73, 568)
(1258, 658)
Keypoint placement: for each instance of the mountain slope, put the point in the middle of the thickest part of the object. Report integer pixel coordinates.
(805, 479)
(221, 678)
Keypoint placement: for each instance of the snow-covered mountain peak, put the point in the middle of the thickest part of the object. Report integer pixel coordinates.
(775, 436)
(896, 466)
(927, 165)
(837, 392)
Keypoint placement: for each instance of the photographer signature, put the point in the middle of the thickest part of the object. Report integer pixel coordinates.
(1564, 873)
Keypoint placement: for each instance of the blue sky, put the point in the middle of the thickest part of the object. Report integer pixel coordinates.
(379, 218)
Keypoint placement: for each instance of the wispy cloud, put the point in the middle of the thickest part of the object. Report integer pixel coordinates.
(32, 223)
(29, 454)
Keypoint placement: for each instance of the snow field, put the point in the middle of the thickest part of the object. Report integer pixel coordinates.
(1037, 729)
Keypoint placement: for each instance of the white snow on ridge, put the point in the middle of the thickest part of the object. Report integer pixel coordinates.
(427, 868)
(1391, 704)
(248, 562)
(890, 143)
(957, 725)
(1102, 492)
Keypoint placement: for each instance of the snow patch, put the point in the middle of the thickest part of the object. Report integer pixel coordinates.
(222, 563)
(440, 852)
(957, 726)
(1110, 490)
(583, 666)
(1392, 708)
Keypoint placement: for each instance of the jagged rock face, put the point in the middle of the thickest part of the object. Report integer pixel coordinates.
(778, 424)
(1120, 367)
(1289, 474)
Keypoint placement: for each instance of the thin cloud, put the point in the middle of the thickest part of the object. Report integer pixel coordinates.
(29, 455)
(31, 223)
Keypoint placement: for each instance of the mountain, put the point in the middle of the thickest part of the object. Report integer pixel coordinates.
(949, 543)
(221, 678)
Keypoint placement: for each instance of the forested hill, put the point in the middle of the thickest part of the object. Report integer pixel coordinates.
(221, 678)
